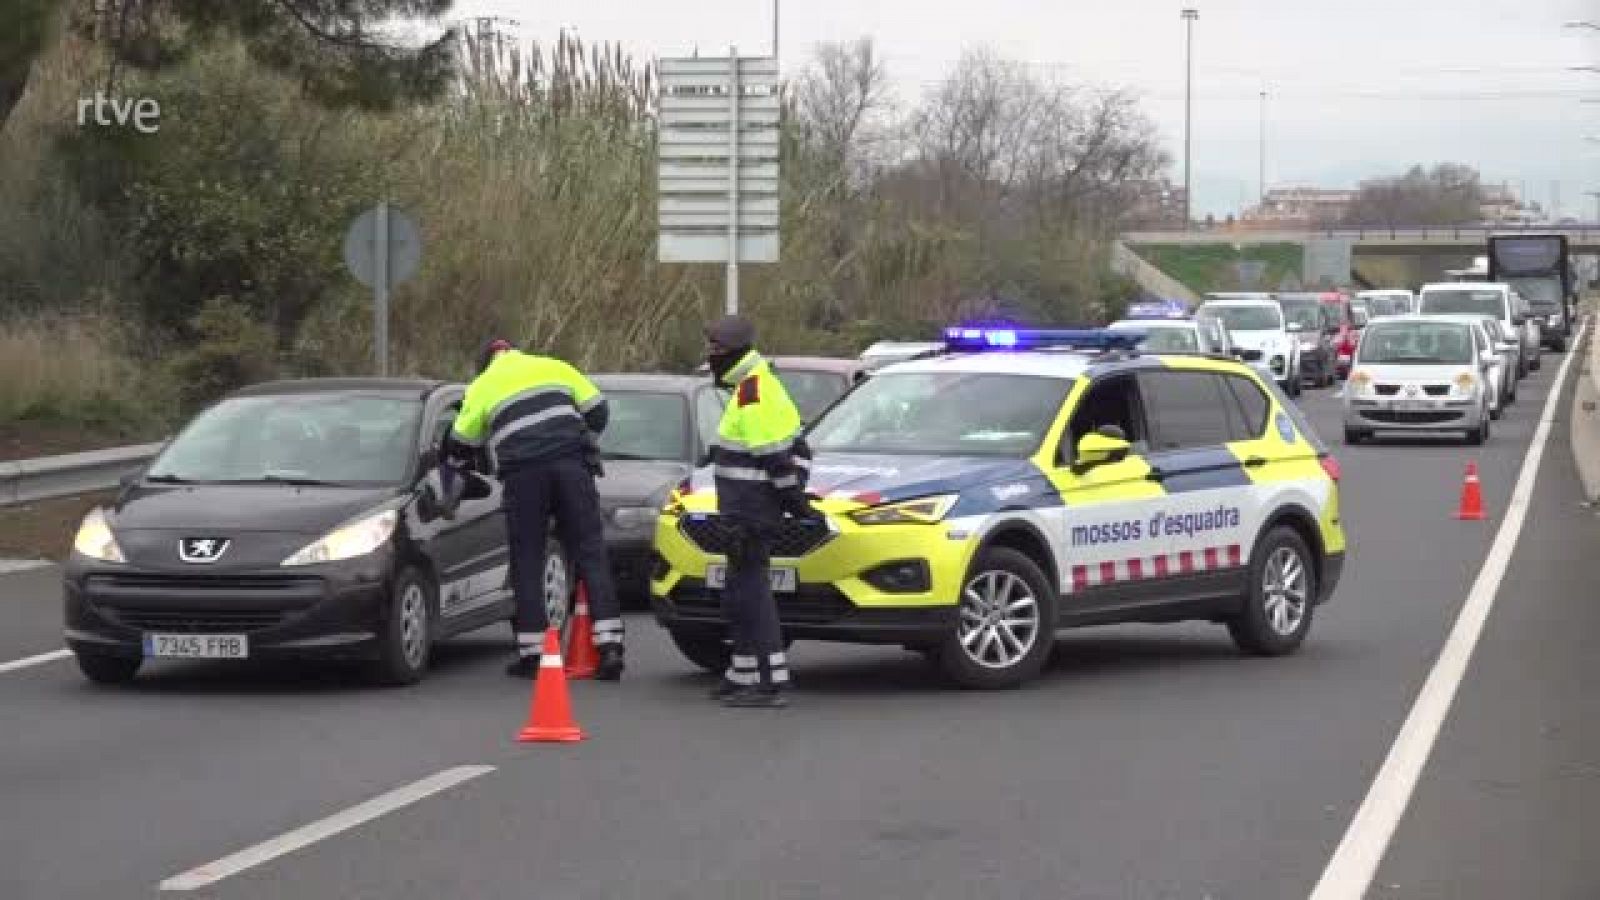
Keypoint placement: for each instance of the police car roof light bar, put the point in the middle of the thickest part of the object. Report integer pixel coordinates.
(1001, 339)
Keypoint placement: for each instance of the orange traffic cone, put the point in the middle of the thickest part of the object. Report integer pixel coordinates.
(582, 658)
(1471, 495)
(550, 715)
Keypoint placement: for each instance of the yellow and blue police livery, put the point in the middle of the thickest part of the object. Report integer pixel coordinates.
(1022, 482)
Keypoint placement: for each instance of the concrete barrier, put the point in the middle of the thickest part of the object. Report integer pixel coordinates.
(1128, 263)
(1585, 417)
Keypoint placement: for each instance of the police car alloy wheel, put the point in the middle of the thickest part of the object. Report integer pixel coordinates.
(1006, 623)
(1282, 593)
(103, 669)
(406, 641)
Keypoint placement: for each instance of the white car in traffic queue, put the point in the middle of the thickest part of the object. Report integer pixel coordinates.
(1260, 326)
(1169, 335)
(1509, 349)
(1455, 298)
(1422, 374)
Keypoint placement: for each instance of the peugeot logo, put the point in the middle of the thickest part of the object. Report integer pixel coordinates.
(202, 550)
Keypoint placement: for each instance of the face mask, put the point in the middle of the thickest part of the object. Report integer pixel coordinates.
(723, 363)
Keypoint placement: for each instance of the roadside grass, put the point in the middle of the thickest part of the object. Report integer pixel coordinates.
(1211, 267)
(67, 376)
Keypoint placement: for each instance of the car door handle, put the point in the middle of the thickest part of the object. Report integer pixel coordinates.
(1255, 462)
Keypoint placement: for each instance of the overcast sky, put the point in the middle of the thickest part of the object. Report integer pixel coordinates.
(1356, 88)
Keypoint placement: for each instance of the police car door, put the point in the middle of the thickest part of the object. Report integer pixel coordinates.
(1210, 510)
(1101, 541)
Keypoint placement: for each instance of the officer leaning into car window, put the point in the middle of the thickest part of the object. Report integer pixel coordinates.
(535, 420)
(762, 464)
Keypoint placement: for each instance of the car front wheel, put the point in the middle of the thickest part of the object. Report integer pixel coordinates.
(1005, 624)
(104, 669)
(1280, 596)
(406, 639)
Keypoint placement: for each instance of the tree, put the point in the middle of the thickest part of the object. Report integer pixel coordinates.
(336, 49)
(840, 100)
(1447, 196)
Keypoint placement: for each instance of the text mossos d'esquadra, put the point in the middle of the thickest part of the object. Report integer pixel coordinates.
(1160, 524)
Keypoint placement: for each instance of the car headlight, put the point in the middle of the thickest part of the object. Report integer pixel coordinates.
(1465, 383)
(1553, 321)
(635, 517)
(924, 511)
(348, 541)
(95, 540)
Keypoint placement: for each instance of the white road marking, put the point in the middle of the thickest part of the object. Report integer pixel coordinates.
(1349, 873)
(306, 835)
(27, 661)
(13, 566)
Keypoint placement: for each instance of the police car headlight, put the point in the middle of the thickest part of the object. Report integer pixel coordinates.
(924, 511)
(633, 518)
(95, 540)
(358, 538)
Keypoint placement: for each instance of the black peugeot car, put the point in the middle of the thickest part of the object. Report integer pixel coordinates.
(294, 520)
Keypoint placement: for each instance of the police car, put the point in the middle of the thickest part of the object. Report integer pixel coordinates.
(1026, 481)
(1168, 328)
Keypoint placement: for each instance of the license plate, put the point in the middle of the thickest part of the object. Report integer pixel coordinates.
(1414, 405)
(197, 646)
(781, 579)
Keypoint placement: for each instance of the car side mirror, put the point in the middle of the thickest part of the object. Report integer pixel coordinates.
(477, 487)
(1106, 444)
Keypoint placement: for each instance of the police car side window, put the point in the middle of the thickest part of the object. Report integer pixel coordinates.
(1186, 409)
(1110, 401)
(1251, 407)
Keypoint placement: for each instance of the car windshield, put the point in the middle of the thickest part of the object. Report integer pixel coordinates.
(335, 438)
(1542, 293)
(1167, 338)
(943, 413)
(1463, 302)
(1420, 343)
(646, 425)
(812, 389)
(1307, 314)
(1249, 318)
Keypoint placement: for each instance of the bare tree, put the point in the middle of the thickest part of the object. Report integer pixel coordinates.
(842, 101)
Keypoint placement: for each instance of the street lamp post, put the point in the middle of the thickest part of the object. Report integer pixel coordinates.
(1262, 200)
(1189, 71)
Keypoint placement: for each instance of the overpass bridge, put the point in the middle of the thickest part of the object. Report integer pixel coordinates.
(1366, 242)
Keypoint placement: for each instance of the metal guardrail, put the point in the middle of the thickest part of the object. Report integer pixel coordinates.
(1290, 235)
(30, 480)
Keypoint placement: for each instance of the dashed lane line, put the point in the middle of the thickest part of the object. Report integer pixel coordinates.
(322, 829)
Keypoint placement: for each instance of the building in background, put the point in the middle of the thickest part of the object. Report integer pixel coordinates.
(1298, 209)
(1154, 206)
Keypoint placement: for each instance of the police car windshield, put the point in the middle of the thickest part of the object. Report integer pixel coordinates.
(1248, 318)
(1462, 302)
(337, 438)
(812, 390)
(943, 414)
(1417, 343)
(645, 425)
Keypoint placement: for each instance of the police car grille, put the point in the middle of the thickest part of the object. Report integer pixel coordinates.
(791, 540)
(812, 604)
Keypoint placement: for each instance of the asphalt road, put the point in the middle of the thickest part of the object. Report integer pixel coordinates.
(1150, 762)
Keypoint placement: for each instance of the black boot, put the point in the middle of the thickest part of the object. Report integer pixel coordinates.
(757, 696)
(611, 663)
(525, 667)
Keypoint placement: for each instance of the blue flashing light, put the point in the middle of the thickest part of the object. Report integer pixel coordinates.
(982, 339)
